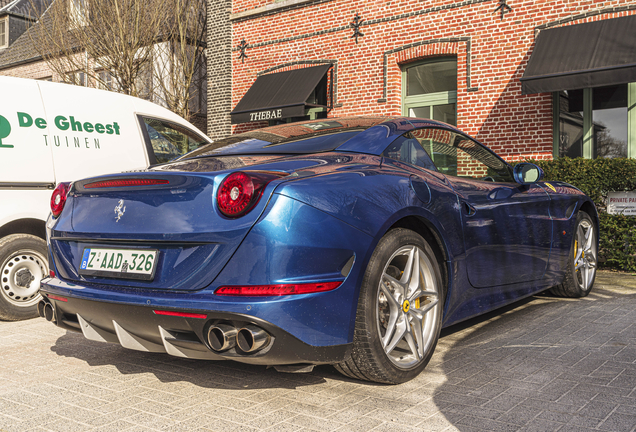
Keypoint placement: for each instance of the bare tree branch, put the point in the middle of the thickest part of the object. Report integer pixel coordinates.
(146, 48)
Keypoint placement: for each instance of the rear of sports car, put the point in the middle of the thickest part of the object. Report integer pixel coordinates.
(204, 263)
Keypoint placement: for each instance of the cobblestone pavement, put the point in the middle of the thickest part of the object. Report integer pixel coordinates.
(542, 364)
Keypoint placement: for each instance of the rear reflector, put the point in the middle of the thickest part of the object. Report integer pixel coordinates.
(51, 273)
(125, 183)
(276, 290)
(54, 297)
(180, 314)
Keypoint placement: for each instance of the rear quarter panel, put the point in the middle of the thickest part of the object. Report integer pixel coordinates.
(373, 199)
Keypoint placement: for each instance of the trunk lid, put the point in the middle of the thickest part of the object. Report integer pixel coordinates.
(179, 220)
(177, 217)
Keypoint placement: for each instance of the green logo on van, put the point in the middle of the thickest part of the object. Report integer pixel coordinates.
(5, 130)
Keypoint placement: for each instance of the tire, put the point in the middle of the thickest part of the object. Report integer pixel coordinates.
(393, 306)
(582, 261)
(23, 263)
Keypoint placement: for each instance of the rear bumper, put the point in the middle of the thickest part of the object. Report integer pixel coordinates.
(140, 328)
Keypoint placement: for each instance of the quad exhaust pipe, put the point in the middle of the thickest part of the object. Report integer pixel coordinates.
(222, 337)
(45, 310)
(249, 339)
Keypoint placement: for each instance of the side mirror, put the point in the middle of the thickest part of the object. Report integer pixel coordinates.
(527, 173)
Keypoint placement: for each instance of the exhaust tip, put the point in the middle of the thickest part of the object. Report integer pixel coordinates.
(251, 338)
(49, 313)
(41, 305)
(222, 337)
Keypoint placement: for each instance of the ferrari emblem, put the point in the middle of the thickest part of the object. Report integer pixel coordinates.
(406, 306)
(120, 210)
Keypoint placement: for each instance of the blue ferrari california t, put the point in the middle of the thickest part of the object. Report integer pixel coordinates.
(347, 241)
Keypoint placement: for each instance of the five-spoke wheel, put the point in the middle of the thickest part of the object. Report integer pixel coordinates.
(585, 254)
(406, 306)
(399, 311)
(581, 268)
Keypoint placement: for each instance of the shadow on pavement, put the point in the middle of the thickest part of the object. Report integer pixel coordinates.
(167, 369)
(544, 363)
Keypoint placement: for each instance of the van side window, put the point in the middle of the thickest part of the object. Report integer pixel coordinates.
(170, 140)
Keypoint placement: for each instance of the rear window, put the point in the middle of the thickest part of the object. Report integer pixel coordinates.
(313, 136)
(317, 144)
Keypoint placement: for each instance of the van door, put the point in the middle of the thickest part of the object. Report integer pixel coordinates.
(25, 151)
(92, 132)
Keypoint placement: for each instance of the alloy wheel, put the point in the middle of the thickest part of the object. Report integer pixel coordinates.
(408, 305)
(585, 254)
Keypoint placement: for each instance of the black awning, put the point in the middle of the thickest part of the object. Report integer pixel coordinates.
(282, 95)
(595, 54)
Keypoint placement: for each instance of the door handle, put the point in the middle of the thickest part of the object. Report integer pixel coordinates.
(470, 210)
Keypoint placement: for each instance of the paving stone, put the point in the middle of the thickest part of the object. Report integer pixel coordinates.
(543, 364)
(619, 422)
(542, 425)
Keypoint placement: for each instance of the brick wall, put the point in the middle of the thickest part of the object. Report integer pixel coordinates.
(219, 68)
(491, 56)
(35, 70)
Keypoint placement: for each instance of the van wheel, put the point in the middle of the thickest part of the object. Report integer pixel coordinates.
(23, 264)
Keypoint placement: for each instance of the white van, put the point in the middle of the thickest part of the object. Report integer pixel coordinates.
(52, 133)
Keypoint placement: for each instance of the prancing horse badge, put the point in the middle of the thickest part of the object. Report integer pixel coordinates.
(120, 210)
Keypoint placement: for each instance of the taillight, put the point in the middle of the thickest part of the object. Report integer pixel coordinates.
(58, 199)
(239, 192)
(125, 183)
(276, 290)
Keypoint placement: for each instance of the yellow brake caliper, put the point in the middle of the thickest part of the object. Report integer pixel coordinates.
(576, 247)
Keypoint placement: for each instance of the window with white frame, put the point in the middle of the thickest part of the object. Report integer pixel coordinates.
(78, 13)
(76, 77)
(4, 32)
(105, 80)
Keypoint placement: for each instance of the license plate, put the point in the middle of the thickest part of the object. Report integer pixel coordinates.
(119, 263)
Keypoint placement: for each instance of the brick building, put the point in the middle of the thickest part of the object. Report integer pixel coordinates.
(527, 78)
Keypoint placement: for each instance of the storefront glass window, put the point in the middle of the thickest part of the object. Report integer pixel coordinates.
(571, 124)
(609, 117)
(604, 117)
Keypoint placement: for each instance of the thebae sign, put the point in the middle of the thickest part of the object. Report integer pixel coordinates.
(621, 203)
(265, 114)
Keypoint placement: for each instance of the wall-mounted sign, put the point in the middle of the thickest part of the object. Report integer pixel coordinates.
(621, 203)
